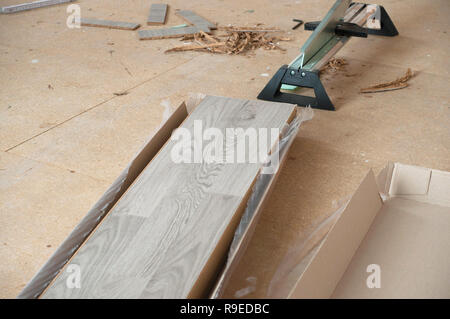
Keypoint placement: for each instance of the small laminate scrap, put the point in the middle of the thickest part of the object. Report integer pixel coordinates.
(170, 32)
(109, 24)
(157, 15)
(32, 5)
(195, 19)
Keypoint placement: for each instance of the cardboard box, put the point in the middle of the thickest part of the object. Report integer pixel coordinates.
(62, 255)
(395, 247)
(213, 268)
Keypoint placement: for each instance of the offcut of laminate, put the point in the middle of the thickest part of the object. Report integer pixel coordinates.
(157, 15)
(195, 19)
(32, 5)
(167, 33)
(166, 236)
(109, 24)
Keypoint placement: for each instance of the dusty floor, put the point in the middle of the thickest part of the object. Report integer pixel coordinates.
(65, 136)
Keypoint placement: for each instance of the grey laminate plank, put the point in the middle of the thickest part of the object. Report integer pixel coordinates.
(195, 19)
(32, 5)
(109, 24)
(157, 15)
(166, 33)
(157, 239)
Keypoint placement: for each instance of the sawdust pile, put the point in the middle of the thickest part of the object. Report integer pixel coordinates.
(397, 84)
(233, 41)
(334, 65)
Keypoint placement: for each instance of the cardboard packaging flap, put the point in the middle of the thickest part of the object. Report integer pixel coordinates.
(399, 248)
(65, 251)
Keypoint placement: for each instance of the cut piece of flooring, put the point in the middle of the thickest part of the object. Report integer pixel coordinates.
(167, 33)
(109, 24)
(157, 15)
(195, 19)
(168, 234)
(32, 5)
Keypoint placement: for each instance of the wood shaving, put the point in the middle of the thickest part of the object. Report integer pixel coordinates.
(334, 65)
(397, 84)
(120, 93)
(248, 29)
(235, 40)
(194, 47)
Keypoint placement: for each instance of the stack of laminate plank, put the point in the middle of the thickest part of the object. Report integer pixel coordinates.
(168, 235)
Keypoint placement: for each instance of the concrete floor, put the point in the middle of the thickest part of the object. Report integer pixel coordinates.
(65, 136)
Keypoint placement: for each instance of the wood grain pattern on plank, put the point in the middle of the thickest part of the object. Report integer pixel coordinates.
(157, 15)
(195, 19)
(157, 239)
(166, 33)
(109, 24)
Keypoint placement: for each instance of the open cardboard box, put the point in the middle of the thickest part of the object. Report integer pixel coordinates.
(408, 235)
(215, 265)
(65, 251)
(396, 247)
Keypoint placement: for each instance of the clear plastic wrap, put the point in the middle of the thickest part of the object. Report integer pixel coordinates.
(260, 191)
(299, 255)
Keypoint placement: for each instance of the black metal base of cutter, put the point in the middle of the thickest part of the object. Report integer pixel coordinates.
(388, 28)
(300, 78)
